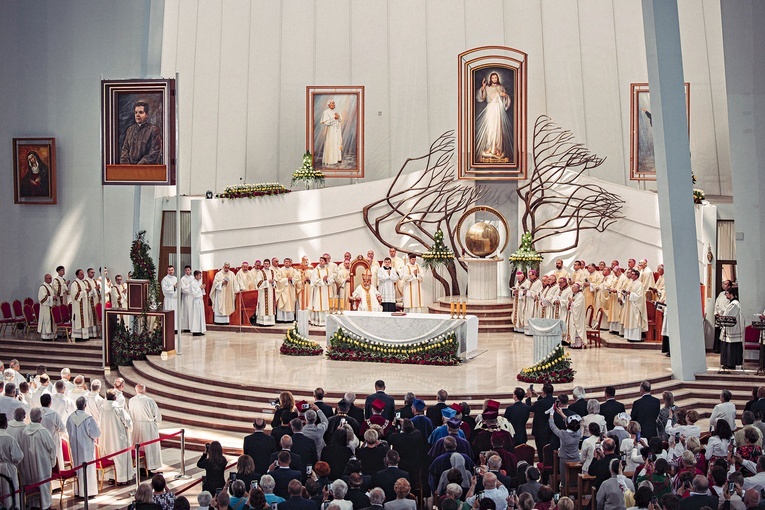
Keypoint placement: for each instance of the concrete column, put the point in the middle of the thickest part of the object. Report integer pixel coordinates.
(743, 41)
(673, 179)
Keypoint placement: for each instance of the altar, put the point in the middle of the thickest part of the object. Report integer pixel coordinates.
(407, 329)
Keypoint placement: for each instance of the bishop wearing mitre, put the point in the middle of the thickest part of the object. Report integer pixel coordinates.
(367, 297)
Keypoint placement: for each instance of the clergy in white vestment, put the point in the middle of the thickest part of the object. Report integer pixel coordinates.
(577, 320)
(39, 455)
(721, 303)
(79, 390)
(83, 432)
(411, 275)
(60, 403)
(304, 288)
(374, 267)
(53, 423)
(387, 278)
(82, 315)
(561, 302)
(118, 293)
(287, 292)
(647, 279)
(18, 422)
(731, 339)
(46, 296)
(95, 400)
(343, 283)
(94, 298)
(245, 278)
(222, 294)
(332, 277)
(43, 387)
(333, 135)
(519, 301)
(615, 303)
(198, 323)
(321, 281)
(533, 294)
(603, 295)
(265, 281)
(146, 420)
(186, 298)
(61, 286)
(115, 436)
(119, 386)
(545, 303)
(368, 298)
(170, 293)
(10, 458)
(579, 273)
(634, 314)
(398, 264)
(66, 376)
(660, 287)
(560, 271)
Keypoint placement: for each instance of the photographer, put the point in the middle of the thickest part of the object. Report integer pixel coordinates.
(214, 464)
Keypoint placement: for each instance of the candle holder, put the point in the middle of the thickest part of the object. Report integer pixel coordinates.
(464, 309)
(451, 309)
(342, 307)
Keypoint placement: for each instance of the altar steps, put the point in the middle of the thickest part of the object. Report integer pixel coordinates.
(81, 357)
(493, 316)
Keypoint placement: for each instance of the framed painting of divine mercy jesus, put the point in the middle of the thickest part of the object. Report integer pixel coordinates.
(492, 114)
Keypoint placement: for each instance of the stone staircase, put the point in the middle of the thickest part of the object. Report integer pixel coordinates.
(81, 357)
(493, 317)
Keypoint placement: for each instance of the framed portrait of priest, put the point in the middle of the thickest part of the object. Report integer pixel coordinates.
(642, 157)
(138, 131)
(491, 140)
(335, 129)
(34, 171)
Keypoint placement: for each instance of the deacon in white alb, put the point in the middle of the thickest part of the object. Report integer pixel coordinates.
(115, 436)
(222, 294)
(146, 420)
(170, 292)
(265, 281)
(198, 323)
(368, 298)
(61, 286)
(411, 275)
(83, 432)
(186, 298)
(39, 455)
(46, 296)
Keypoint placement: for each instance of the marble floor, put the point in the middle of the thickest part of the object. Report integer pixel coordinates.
(246, 357)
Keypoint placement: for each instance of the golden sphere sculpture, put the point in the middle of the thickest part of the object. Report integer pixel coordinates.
(482, 239)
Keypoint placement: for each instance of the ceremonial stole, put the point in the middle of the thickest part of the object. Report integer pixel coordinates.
(419, 289)
(80, 304)
(47, 294)
(369, 300)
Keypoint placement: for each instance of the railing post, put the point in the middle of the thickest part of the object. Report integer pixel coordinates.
(138, 466)
(183, 475)
(22, 499)
(84, 483)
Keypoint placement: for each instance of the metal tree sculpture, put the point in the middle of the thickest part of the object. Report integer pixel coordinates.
(567, 206)
(425, 206)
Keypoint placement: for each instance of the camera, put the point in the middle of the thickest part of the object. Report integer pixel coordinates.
(556, 497)
(274, 403)
(343, 421)
(305, 406)
(231, 477)
(398, 415)
(655, 502)
(731, 487)
(677, 437)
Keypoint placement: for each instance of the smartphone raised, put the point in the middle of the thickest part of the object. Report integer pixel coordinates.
(253, 484)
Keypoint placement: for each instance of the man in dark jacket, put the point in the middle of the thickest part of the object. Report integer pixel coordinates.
(386, 478)
(283, 475)
(518, 415)
(645, 410)
(699, 496)
(296, 500)
(389, 412)
(540, 427)
(259, 446)
(434, 412)
(611, 407)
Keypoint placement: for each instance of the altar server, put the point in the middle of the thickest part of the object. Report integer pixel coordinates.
(186, 298)
(170, 292)
(61, 286)
(146, 420)
(286, 292)
(222, 293)
(731, 338)
(411, 275)
(10, 457)
(83, 432)
(265, 281)
(368, 298)
(39, 451)
(321, 281)
(387, 278)
(82, 315)
(198, 324)
(634, 314)
(115, 436)
(46, 296)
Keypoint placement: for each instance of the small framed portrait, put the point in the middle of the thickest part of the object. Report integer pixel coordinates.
(335, 130)
(492, 114)
(138, 130)
(642, 158)
(34, 171)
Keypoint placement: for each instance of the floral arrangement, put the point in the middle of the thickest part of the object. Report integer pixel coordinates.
(439, 350)
(698, 195)
(526, 257)
(438, 254)
(144, 268)
(554, 368)
(297, 345)
(253, 190)
(128, 346)
(306, 173)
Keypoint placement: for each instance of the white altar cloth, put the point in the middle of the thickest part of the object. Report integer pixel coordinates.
(547, 336)
(407, 329)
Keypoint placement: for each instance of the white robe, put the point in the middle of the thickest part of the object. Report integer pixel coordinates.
(61, 290)
(320, 294)
(186, 301)
(95, 401)
(46, 297)
(83, 432)
(635, 316)
(10, 457)
(63, 405)
(93, 299)
(412, 287)
(146, 419)
(82, 315)
(519, 305)
(198, 320)
(563, 311)
(39, 456)
(115, 436)
(494, 122)
(170, 295)
(333, 137)
(16, 429)
(55, 426)
(577, 322)
(286, 293)
(368, 297)
(266, 283)
(533, 294)
(223, 296)
(118, 295)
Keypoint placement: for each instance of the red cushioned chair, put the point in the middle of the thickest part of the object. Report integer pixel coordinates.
(36, 308)
(593, 333)
(30, 322)
(7, 319)
(525, 452)
(102, 466)
(28, 301)
(18, 315)
(61, 322)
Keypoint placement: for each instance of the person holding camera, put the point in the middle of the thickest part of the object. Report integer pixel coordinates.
(214, 464)
(600, 467)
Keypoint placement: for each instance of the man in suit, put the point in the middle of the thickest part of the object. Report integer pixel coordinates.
(434, 412)
(406, 411)
(580, 402)
(518, 415)
(376, 499)
(699, 496)
(259, 446)
(611, 407)
(283, 474)
(540, 427)
(296, 500)
(318, 397)
(645, 410)
(303, 446)
(354, 411)
(386, 478)
(389, 412)
(600, 467)
(296, 463)
(342, 416)
(758, 406)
